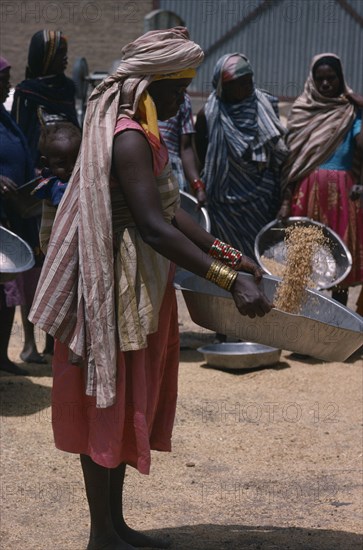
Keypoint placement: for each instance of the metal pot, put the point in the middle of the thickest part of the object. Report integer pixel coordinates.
(240, 355)
(15, 255)
(332, 263)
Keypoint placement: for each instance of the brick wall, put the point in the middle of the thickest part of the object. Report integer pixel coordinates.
(96, 30)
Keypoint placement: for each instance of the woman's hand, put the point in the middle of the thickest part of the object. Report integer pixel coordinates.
(285, 210)
(356, 192)
(249, 299)
(7, 186)
(356, 99)
(201, 197)
(248, 265)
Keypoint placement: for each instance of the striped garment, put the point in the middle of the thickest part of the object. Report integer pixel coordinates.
(316, 126)
(243, 163)
(171, 131)
(48, 215)
(76, 299)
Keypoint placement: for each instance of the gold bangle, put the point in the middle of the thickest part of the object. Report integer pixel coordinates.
(221, 275)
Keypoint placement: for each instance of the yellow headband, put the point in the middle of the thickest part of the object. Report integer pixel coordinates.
(146, 107)
(186, 73)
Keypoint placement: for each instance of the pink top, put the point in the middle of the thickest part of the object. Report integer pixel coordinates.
(158, 149)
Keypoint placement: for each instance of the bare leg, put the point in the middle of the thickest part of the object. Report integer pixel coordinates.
(49, 345)
(6, 324)
(103, 536)
(136, 538)
(29, 353)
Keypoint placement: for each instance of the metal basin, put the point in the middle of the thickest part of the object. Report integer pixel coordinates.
(240, 355)
(325, 329)
(332, 262)
(189, 204)
(15, 255)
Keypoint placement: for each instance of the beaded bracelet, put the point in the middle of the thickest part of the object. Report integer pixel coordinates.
(197, 184)
(226, 253)
(221, 275)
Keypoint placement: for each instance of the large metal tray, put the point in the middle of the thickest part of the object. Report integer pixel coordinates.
(325, 329)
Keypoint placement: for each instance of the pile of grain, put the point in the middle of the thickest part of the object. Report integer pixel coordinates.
(302, 243)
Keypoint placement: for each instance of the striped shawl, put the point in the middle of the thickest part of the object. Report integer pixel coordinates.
(316, 127)
(75, 298)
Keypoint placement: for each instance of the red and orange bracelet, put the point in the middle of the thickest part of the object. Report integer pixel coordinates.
(225, 253)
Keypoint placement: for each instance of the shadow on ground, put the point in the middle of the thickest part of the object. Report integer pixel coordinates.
(242, 537)
(21, 397)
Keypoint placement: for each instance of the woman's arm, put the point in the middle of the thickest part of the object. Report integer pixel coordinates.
(201, 136)
(190, 167)
(133, 168)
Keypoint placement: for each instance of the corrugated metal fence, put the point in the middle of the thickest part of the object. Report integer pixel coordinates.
(280, 37)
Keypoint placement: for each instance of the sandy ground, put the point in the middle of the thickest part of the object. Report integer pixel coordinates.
(262, 459)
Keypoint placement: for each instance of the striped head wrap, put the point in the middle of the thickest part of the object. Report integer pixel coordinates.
(316, 125)
(230, 67)
(42, 51)
(75, 298)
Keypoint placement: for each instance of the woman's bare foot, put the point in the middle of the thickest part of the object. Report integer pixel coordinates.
(138, 539)
(32, 356)
(108, 542)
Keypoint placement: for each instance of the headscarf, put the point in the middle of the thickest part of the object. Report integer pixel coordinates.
(4, 64)
(54, 93)
(43, 48)
(237, 128)
(317, 124)
(83, 316)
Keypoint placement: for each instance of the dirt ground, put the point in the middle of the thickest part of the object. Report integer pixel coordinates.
(263, 459)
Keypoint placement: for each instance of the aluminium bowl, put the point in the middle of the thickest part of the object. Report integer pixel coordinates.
(240, 355)
(190, 205)
(324, 329)
(15, 255)
(332, 263)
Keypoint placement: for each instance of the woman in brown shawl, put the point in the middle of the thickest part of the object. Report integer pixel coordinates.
(324, 169)
(106, 291)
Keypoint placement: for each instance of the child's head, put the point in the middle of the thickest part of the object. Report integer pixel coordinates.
(59, 144)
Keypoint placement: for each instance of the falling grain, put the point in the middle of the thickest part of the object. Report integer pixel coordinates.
(302, 243)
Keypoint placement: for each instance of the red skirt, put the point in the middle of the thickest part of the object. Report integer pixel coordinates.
(324, 197)
(142, 418)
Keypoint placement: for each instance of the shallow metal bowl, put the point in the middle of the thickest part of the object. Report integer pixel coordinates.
(189, 204)
(240, 355)
(15, 255)
(325, 329)
(332, 262)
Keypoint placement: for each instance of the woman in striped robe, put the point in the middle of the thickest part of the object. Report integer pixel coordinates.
(239, 140)
(323, 172)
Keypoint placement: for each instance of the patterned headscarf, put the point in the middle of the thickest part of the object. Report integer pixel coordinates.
(316, 125)
(42, 51)
(234, 129)
(77, 304)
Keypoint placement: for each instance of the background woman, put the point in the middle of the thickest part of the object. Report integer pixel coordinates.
(239, 142)
(106, 289)
(45, 86)
(324, 169)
